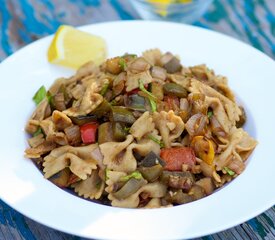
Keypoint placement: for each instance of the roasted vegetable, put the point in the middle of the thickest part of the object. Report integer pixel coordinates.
(242, 119)
(102, 110)
(80, 120)
(176, 157)
(122, 115)
(204, 149)
(207, 184)
(61, 179)
(197, 192)
(178, 197)
(135, 102)
(129, 188)
(105, 133)
(73, 135)
(88, 132)
(119, 132)
(113, 65)
(183, 180)
(151, 159)
(151, 174)
(173, 65)
(174, 89)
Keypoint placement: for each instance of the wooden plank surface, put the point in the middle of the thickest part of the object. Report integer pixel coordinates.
(23, 21)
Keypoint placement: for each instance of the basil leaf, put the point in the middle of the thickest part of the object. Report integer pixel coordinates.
(151, 97)
(137, 175)
(229, 171)
(104, 89)
(39, 95)
(122, 64)
(38, 131)
(159, 142)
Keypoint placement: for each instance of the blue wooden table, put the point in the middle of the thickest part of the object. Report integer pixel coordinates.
(23, 21)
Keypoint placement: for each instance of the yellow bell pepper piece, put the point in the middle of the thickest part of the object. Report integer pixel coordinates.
(207, 155)
(164, 10)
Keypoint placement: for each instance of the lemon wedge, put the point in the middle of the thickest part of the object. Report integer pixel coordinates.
(72, 48)
(163, 10)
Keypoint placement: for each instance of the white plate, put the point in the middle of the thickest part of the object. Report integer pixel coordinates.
(251, 74)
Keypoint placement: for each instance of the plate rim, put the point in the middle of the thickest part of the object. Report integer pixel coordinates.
(88, 26)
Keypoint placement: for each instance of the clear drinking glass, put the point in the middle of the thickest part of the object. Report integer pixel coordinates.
(177, 12)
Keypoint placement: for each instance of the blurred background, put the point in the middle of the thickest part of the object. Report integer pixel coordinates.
(24, 21)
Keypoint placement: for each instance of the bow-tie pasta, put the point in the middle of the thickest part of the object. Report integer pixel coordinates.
(139, 132)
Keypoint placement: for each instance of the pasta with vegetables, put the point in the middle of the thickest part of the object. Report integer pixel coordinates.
(139, 132)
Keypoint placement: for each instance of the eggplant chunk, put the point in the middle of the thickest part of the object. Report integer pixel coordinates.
(178, 197)
(151, 174)
(197, 192)
(61, 179)
(129, 188)
(121, 114)
(180, 180)
(207, 184)
(173, 65)
(152, 159)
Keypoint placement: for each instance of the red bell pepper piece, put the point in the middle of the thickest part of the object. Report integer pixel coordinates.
(175, 157)
(88, 132)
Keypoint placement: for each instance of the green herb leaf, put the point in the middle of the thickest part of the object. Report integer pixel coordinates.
(104, 89)
(39, 95)
(107, 173)
(229, 171)
(159, 142)
(209, 114)
(153, 105)
(137, 175)
(130, 55)
(126, 129)
(151, 97)
(38, 131)
(122, 64)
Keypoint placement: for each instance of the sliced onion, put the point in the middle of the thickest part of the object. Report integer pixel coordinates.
(158, 72)
(184, 104)
(196, 124)
(216, 127)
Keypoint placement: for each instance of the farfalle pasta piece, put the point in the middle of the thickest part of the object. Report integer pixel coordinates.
(127, 160)
(219, 112)
(180, 79)
(143, 147)
(51, 133)
(113, 153)
(87, 70)
(112, 177)
(92, 187)
(153, 190)
(42, 111)
(232, 110)
(41, 149)
(90, 101)
(153, 203)
(132, 81)
(78, 159)
(142, 126)
(221, 84)
(152, 56)
(239, 146)
(169, 125)
(60, 120)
